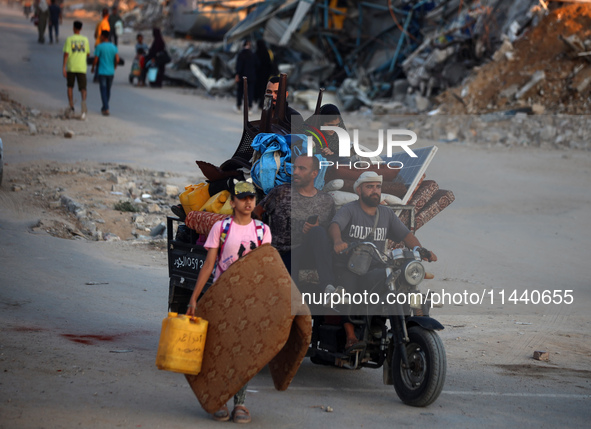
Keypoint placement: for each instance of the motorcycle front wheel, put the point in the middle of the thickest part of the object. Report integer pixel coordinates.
(421, 383)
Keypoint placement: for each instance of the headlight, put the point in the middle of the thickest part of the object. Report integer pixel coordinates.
(414, 273)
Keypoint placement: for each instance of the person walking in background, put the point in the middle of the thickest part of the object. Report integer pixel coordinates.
(106, 58)
(116, 24)
(55, 19)
(27, 8)
(246, 65)
(157, 50)
(103, 25)
(76, 50)
(266, 69)
(42, 14)
(140, 44)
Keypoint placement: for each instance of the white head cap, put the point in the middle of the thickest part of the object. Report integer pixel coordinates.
(366, 177)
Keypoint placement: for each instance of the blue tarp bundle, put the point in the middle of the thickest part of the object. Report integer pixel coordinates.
(274, 167)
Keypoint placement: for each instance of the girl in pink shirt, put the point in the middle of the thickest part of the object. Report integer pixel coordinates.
(227, 242)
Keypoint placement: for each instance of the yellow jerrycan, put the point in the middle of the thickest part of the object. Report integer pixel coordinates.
(216, 202)
(181, 344)
(194, 197)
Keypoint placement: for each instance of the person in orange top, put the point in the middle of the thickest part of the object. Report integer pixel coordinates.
(100, 27)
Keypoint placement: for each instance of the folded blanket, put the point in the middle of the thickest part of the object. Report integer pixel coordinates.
(440, 201)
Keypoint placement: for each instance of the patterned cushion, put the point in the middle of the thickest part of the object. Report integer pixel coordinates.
(202, 222)
(423, 194)
(440, 200)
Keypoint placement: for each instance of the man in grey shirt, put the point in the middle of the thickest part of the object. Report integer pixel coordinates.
(311, 213)
(355, 222)
(298, 218)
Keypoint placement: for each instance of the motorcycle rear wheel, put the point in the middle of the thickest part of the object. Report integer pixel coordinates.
(421, 383)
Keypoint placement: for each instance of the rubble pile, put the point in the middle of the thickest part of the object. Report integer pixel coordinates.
(547, 71)
(100, 202)
(137, 15)
(144, 15)
(92, 9)
(389, 55)
(511, 128)
(14, 117)
(392, 56)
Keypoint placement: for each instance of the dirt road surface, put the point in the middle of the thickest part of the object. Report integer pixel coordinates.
(80, 319)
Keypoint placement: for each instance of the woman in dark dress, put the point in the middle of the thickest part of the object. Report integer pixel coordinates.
(157, 46)
(266, 68)
(329, 115)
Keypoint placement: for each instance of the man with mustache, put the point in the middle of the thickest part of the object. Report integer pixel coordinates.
(298, 216)
(356, 221)
(294, 118)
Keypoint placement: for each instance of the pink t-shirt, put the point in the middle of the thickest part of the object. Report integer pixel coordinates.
(240, 240)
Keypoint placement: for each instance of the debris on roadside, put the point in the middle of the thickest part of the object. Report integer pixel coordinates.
(99, 202)
(325, 408)
(541, 355)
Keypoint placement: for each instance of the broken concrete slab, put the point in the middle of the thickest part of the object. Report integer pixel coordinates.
(422, 103)
(535, 79)
(509, 92)
(502, 52)
(212, 85)
(582, 80)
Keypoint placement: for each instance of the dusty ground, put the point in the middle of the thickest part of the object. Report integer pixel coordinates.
(116, 208)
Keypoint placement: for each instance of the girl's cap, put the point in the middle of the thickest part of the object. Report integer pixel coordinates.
(244, 189)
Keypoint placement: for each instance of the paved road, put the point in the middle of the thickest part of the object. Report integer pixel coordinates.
(50, 379)
(165, 129)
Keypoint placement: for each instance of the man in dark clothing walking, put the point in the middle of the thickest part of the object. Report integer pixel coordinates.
(114, 18)
(55, 19)
(246, 65)
(42, 13)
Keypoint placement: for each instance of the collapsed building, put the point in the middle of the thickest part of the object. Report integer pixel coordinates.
(401, 55)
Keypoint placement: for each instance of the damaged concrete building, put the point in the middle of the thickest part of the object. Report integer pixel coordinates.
(384, 54)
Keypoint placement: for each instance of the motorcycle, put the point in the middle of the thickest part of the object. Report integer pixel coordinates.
(400, 337)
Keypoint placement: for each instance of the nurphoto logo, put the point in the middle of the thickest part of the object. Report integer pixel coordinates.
(362, 152)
